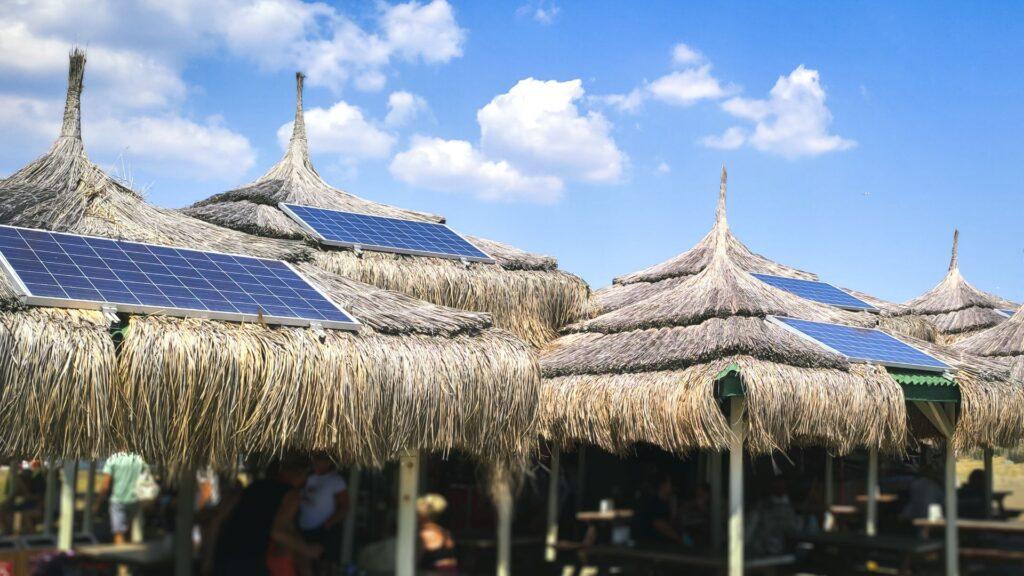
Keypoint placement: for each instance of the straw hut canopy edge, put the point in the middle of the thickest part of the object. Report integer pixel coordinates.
(955, 307)
(1003, 342)
(645, 370)
(525, 293)
(184, 392)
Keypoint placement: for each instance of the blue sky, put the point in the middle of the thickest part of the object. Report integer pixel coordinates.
(856, 135)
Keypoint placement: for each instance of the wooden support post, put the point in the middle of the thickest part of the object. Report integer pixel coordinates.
(66, 533)
(551, 539)
(989, 482)
(348, 534)
(943, 417)
(49, 500)
(715, 481)
(871, 523)
(829, 521)
(736, 487)
(503, 502)
(405, 542)
(90, 500)
(183, 521)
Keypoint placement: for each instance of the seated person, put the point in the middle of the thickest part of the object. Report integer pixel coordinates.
(971, 497)
(653, 521)
(925, 491)
(436, 546)
(772, 521)
(695, 514)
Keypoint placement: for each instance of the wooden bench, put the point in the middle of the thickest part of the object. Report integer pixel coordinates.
(905, 550)
(982, 528)
(614, 555)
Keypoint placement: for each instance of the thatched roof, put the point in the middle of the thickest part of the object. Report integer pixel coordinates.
(418, 376)
(956, 308)
(525, 293)
(645, 370)
(1004, 342)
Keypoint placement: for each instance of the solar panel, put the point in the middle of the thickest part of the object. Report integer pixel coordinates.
(72, 271)
(817, 291)
(382, 234)
(1007, 313)
(862, 344)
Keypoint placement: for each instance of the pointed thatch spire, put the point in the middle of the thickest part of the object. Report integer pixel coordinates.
(298, 141)
(720, 219)
(954, 264)
(72, 126)
(955, 307)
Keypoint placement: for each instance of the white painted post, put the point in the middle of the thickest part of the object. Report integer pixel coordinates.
(989, 483)
(736, 487)
(348, 534)
(183, 521)
(871, 526)
(829, 522)
(551, 539)
(50, 499)
(90, 499)
(952, 514)
(408, 487)
(66, 529)
(504, 505)
(715, 481)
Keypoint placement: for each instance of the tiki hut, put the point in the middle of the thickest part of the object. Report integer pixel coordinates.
(524, 293)
(677, 342)
(186, 392)
(954, 307)
(1003, 342)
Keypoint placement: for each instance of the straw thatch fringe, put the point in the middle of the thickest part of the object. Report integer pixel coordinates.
(58, 372)
(840, 410)
(991, 412)
(1007, 339)
(677, 410)
(674, 410)
(530, 304)
(199, 391)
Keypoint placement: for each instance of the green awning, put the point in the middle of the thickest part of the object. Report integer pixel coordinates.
(917, 386)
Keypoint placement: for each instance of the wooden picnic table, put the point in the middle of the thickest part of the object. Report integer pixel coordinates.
(906, 549)
(591, 516)
(882, 498)
(981, 527)
(605, 555)
(144, 554)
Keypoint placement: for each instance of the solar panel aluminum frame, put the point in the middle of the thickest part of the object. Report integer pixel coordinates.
(1004, 312)
(866, 308)
(376, 248)
(25, 295)
(776, 320)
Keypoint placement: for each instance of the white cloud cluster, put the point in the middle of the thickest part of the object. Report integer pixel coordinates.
(689, 84)
(533, 138)
(138, 49)
(344, 130)
(403, 107)
(541, 11)
(793, 121)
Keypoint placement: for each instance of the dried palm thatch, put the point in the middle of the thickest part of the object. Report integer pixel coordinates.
(954, 307)
(525, 293)
(645, 370)
(184, 392)
(1002, 343)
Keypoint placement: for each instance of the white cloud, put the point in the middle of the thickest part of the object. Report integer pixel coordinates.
(426, 31)
(542, 12)
(174, 146)
(793, 121)
(687, 87)
(683, 55)
(731, 139)
(629, 102)
(537, 126)
(403, 107)
(341, 129)
(455, 166)
(663, 168)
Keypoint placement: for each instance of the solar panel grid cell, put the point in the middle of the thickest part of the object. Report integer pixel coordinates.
(139, 277)
(384, 234)
(864, 344)
(816, 291)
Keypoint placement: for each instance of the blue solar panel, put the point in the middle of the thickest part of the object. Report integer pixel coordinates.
(383, 234)
(863, 344)
(816, 291)
(72, 271)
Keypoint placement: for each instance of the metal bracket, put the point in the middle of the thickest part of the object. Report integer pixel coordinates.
(358, 250)
(110, 314)
(318, 329)
(464, 262)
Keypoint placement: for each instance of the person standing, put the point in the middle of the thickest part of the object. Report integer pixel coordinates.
(322, 511)
(121, 474)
